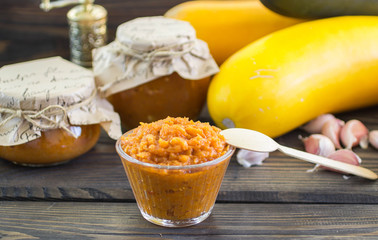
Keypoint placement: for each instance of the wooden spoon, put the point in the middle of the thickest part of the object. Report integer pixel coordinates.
(259, 142)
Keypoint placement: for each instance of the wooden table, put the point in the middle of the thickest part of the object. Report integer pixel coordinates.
(90, 197)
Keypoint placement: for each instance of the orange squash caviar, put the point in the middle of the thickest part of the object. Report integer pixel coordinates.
(174, 141)
(175, 168)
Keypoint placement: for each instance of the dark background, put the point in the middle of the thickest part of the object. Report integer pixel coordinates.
(27, 32)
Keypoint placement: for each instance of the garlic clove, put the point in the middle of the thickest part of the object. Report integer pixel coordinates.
(316, 125)
(373, 138)
(354, 132)
(248, 158)
(346, 156)
(332, 129)
(318, 144)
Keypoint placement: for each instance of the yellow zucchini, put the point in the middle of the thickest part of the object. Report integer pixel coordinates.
(293, 75)
(227, 26)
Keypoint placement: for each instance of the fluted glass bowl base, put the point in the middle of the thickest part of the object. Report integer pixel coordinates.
(176, 223)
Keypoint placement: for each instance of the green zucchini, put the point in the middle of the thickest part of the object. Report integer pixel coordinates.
(311, 9)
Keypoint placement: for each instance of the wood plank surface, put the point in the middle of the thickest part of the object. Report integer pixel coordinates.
(99, 175)
(86, 220)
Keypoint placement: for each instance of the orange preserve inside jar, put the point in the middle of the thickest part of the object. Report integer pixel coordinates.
(170, 95)
(155, 68)
(53, 147)
(50, 112)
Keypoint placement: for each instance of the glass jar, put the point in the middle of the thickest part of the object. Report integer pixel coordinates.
(50, 112)
(155, 68)
(53, 147)
(166, 96)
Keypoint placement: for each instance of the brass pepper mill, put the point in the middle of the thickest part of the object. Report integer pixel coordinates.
(87, 27)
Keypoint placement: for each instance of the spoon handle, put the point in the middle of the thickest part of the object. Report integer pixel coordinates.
(344, 167)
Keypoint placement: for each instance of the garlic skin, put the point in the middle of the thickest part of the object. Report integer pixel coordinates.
(346, 156)
(373, 138)
(316, 125)
(354, 133)
(248, 158)
(319, 145)
(332, 129)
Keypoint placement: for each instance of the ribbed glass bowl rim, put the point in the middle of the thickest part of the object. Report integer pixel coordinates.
(121, 153)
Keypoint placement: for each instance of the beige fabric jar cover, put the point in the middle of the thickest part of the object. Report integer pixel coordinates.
(48, 94)
(148, 48)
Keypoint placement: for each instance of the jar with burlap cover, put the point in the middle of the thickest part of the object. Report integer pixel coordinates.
(150, 49)
(49, 94)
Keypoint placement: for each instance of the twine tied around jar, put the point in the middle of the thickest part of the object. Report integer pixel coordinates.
(162, 52)
(42, 119)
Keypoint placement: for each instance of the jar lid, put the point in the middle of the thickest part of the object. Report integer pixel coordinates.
(150, 33)
(48, 94)
(147, 48)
